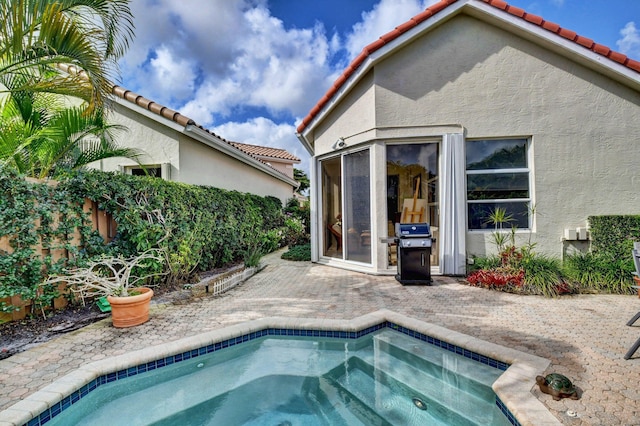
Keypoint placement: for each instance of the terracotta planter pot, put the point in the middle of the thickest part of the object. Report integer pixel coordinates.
(131, 310)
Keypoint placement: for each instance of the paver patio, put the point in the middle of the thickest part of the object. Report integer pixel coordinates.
(584, 336)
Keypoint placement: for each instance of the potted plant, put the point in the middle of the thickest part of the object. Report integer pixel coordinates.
(112, 277)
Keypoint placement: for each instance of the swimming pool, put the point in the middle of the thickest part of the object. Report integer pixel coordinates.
(382, 368)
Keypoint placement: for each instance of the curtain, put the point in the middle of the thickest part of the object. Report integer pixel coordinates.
(453, 227)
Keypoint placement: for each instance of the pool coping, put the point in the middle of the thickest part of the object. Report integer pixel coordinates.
(513, 387)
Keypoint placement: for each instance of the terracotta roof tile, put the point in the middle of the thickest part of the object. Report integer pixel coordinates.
(393, 34)
(551, 26)
(534, 19)
(421, 17)
(403, 28)
(516, 11)
(370, 48)
(568, 34)
(601, 49)
(441, 5)
(633, 64)
(264, 151)
(617, 56)
(586, 42)
(499, 4)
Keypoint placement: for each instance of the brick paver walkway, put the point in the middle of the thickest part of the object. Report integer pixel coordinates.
(584, 336)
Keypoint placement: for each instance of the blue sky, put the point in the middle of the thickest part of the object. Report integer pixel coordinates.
(250, 70)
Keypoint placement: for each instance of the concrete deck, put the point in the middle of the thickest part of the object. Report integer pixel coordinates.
(585, 336)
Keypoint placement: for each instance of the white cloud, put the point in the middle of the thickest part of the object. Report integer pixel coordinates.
(225, 54)
(558, 3)
(384, 17)
(220, 59)
(264, 132)
(629, 44)
(165, 70)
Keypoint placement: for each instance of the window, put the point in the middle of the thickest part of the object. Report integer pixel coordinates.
(155, 170)
(498, 176)
(150, 171)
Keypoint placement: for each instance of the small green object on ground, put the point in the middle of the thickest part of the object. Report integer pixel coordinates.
(103, 304)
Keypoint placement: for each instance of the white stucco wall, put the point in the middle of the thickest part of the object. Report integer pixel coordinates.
(356, 113)
(191, 161)
(199, 164)
(584, 127)
(156, 141)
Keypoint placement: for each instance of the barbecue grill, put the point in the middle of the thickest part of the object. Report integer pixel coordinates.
(414, 253)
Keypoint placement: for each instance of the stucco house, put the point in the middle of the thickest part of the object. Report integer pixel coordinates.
(471, 106)
(177, 148)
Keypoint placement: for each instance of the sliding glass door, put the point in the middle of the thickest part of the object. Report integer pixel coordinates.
(346, 206)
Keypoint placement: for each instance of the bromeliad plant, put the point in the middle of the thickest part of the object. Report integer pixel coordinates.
(517, 269)
(111, 276)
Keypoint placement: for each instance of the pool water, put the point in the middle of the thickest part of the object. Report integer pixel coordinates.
(384, 378)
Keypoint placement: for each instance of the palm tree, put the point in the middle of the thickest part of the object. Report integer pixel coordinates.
(52, 51)
(87, 37)
(42, 138)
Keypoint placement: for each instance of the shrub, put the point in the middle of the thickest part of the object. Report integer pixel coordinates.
(543, 276)
(520, 271)
(599, 273)
(200, 228)
(294, 231)
(298, 253)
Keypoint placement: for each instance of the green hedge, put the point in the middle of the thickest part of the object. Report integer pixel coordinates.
(609, 266)
(200, 227)
(613, 236)
(220, 223)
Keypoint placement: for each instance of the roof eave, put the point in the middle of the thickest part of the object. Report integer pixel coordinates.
(277, 159)
(149, 114)
(557, 43)
(372, 58)
(479, 9)
(308, 145)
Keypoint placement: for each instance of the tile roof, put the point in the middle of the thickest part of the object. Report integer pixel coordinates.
(254, 151)
(265, 151)
(443, 4)
(152, 106)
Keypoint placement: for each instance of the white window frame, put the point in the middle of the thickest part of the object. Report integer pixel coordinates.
(528, 170)
(165, 169)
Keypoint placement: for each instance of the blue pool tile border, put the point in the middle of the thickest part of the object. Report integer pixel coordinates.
(507, 413)
(68, 401)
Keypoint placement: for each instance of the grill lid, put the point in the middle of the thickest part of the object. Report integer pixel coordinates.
(413, 230)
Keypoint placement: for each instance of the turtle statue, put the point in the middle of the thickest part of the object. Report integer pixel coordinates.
(557, 385)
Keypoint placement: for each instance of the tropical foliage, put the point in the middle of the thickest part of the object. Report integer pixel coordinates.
(50, 53)
(301, 177)
(608, 268)
(39, 138)
(196, 228)
(85, 38)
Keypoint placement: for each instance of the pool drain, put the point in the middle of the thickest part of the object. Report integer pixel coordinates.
(419, 403)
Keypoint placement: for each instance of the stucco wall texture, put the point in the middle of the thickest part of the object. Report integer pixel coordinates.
(584, 127)
(191, 161)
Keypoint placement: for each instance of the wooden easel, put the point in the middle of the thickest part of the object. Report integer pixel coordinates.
(409, 216)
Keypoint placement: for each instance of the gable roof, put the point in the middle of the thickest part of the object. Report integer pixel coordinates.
(496, 7)
(255, 152)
